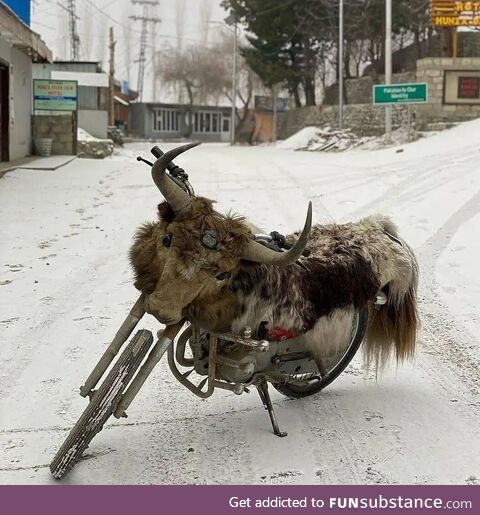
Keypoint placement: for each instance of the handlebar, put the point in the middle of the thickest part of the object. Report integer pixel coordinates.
(179, 175)
(174, 169)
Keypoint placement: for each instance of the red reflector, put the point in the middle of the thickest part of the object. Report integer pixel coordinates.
(279, 333)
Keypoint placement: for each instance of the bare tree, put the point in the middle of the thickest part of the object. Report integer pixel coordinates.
(247, 83)
(193, 70)
(204, 75)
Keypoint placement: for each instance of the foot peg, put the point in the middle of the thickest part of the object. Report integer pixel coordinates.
(262, 388)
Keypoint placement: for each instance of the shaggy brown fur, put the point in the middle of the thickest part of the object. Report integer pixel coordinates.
(394, 325)
(187, 269)
(348, 264)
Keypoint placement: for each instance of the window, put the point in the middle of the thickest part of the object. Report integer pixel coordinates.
(215, 124)
(208, 121)
(226, 123)
(166, 120)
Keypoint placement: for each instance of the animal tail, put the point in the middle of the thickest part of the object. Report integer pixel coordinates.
(394, 326)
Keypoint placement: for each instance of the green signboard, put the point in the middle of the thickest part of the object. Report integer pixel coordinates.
(400, 93)
(55, 95)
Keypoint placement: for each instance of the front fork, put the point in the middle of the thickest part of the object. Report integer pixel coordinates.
(165, 340)
(165, 344)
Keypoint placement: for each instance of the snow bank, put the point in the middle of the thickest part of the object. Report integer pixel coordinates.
(323, 139)
(300, 139)
(315, 139)
(399, 137)
(83, 135)
(91, 147)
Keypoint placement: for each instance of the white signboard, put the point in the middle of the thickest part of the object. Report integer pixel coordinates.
(98, 80)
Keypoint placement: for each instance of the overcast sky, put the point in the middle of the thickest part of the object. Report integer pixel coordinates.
(51, 21)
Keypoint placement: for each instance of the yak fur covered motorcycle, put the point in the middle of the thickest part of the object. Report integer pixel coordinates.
(244, 309)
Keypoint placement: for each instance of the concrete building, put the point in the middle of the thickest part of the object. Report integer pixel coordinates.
(176, 121)
(19, 47)
(92, 91)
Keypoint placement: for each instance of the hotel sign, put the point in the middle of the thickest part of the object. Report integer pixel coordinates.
(448, 13)
(54, 95)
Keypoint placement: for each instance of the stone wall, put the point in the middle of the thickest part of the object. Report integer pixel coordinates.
(359, 91)
(95, 149)
(362, 119)
(432, 71)
(59, 128)
(365, 119)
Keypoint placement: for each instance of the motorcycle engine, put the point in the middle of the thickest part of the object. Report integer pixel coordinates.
(236, 363)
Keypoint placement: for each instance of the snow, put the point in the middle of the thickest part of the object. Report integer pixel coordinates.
(326, 139)
(66, 287)
(300, 139)
(83, 135)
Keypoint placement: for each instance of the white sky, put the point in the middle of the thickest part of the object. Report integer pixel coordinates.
(51, 21)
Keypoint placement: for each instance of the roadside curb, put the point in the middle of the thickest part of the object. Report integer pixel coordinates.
(41, 163)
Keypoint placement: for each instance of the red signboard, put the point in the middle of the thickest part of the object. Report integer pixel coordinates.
(468, 87)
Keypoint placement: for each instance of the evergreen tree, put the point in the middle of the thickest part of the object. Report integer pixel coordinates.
(280, 51)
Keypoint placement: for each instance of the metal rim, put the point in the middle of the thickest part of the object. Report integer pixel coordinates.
(317, 383)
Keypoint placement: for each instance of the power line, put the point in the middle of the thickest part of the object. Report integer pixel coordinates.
(72, 28)
(146, 18)
(120, 24)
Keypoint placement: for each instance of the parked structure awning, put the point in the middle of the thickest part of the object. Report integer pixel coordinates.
(121, 101)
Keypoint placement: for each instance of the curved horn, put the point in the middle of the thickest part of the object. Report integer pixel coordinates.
(174, 194)
(261, 254)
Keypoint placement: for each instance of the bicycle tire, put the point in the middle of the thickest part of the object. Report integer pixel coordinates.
(294, 391)
(101, 405)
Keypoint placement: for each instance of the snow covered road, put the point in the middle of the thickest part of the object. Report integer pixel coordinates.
(65, 287)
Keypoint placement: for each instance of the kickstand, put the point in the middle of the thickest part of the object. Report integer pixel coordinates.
(262, 387)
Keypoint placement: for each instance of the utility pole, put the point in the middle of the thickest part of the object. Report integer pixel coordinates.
(111, 81)
(234, 84)
(232, 20)
(340, 67)
(145, 18)
(72, 28)
(388, 65)
(274, 119)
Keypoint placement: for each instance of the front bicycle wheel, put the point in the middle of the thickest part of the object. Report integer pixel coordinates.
(102, 404)
(298, 386)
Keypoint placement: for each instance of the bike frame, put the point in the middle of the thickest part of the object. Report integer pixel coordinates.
(165, 344)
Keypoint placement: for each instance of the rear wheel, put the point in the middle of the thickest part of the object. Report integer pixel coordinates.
(102, 404)
(297, 387)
